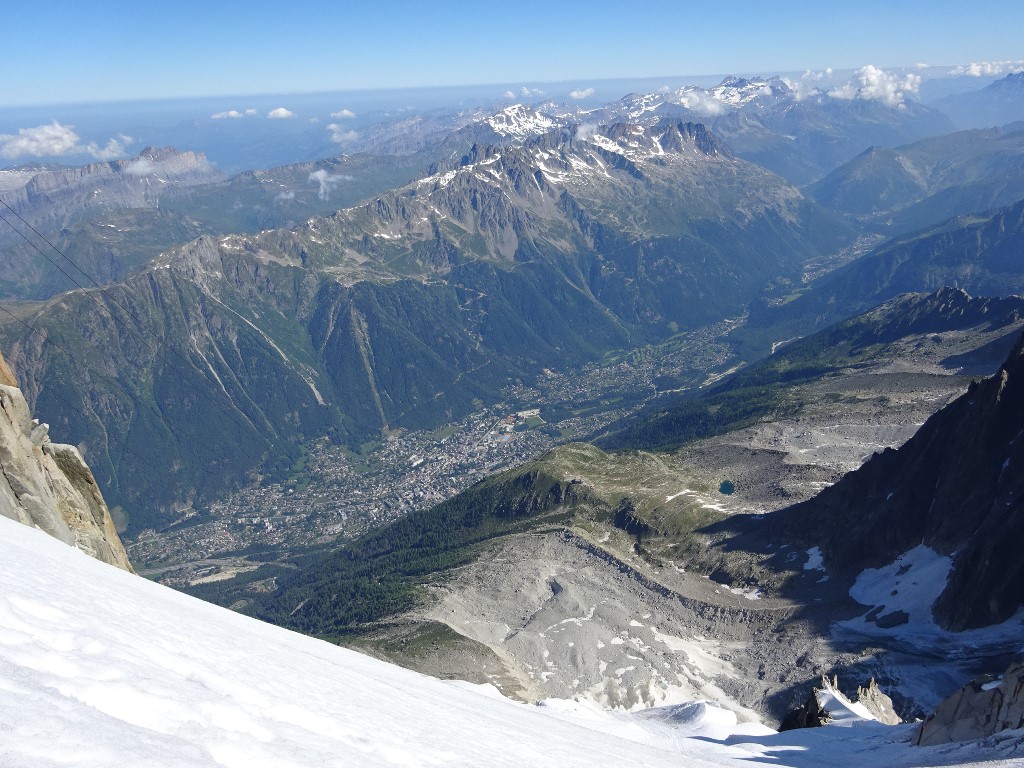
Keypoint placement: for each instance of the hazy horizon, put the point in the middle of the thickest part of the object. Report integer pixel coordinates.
(243, 131)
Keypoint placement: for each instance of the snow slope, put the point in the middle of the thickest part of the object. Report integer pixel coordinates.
(101, 668)
(907, 589)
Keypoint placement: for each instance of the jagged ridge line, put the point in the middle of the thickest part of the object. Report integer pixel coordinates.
(113, 316)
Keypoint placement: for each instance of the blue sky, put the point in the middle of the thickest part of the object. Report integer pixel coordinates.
(113, 50)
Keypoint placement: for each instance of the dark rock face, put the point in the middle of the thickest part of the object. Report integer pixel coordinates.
(956, 486)
(626, 519)
(810, 714)
(981, 708)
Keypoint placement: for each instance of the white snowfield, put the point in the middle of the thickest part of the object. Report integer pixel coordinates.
(102, 668)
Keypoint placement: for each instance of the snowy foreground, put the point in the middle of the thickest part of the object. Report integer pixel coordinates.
(102, 668)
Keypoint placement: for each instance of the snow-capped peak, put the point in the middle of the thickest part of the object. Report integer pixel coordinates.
(519, 122)
(731, 93)
(738, 91)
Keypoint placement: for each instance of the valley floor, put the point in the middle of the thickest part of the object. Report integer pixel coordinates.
(335, 495)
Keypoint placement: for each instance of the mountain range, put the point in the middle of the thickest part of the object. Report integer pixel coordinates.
(798, 133)
(510, 261)
(927, 182)
(802, 430)
(998, 103)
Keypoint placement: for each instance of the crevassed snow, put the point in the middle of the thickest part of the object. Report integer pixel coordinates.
(102, 668)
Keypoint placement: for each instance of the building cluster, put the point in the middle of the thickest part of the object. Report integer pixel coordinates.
(334, 495)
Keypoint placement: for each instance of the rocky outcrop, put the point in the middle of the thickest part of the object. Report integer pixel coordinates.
(6, 374)
(981, 708)
(812, 713)
(877, 703)
(49, 486)
(828, 704)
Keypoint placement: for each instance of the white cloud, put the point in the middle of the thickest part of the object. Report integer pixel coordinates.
(581, 93)
(702, 103)
(280, 114)
(342, 135)
(873, 84)
(988, 68)
(284, 196)
(508, 95)
(42, 141)
(586, 130)
(55, 140)
(808, 84)
(327, 181)
(343, 114)
(235, 114)
(531, 92)
(113, 149)
(143, 166)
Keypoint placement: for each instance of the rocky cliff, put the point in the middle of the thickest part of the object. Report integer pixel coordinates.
(956, 487)
(49, 486)
(981, 708)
